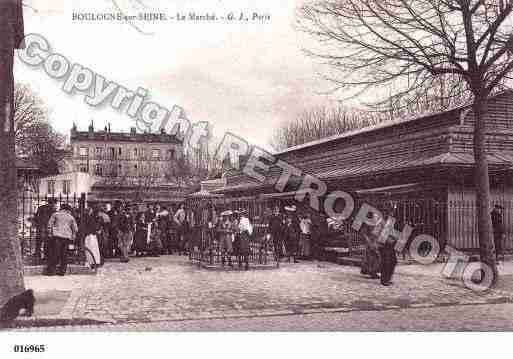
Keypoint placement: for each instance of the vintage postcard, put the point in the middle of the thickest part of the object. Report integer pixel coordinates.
(254, 166)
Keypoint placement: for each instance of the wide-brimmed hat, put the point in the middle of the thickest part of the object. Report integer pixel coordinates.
(226, 213)
(290, 208)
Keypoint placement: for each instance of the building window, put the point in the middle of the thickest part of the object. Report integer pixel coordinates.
(135, 152)
(98, 170)
(66, 186)
(119, 151)
(51, 188)
(112, 152)
(155, 154)
(83, 168)
(99, 151)
(171, 154)
(83, 151)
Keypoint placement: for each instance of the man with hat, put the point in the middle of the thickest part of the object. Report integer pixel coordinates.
(63, 230)
(180, 221)
(41, 219)
(276, 232)
(292, 231)
(498, 229)
(125, 233)
(114, 215)
(225, 237)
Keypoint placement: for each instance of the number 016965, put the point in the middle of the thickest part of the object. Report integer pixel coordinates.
(29, 348)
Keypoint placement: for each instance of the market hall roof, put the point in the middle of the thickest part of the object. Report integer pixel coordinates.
(451, 114)
(440, 140)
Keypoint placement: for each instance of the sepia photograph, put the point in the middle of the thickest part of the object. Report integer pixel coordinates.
(291, 167)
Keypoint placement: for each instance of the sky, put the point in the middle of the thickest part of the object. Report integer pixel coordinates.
(240, 77)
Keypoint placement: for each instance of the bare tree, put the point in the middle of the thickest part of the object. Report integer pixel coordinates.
(11, 267)
(35, 138)
(410, 47)
(179, 171)
(134, 179)
(321, 122)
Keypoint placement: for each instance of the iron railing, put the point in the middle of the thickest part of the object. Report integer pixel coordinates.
(449, 222)
(28, 203)
(205, 248)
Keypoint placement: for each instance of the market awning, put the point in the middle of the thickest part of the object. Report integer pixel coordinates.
(283, 195)
(388, 188)
(205, 194)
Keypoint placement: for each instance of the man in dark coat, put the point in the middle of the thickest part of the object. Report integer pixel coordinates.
(387, 253)
(498, 229)
(41, 219)
(276, 232)
(292, 232)
(125, 233)
(114, 215)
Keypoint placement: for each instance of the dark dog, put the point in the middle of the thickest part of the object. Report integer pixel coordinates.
(12, 308)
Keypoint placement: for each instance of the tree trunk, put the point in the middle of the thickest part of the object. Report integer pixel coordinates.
(11, 266)
(482, 186)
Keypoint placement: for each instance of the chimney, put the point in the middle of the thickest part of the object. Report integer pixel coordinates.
(133, 131)
(108, 128)
(91, 130)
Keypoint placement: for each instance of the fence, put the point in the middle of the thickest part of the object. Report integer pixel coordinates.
(462, 232)
(28, 204)
(449, 222)
(206, 249)
(206, 246)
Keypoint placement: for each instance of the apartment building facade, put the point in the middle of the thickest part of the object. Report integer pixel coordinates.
(127, 156)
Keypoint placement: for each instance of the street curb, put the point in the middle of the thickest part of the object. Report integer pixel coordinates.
(72, 270)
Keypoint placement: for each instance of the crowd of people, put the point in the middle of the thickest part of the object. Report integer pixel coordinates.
(293, 235)
(108, 233)
(125, 230)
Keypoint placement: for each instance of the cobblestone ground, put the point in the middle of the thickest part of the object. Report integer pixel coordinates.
(169, 288)
(486, 317)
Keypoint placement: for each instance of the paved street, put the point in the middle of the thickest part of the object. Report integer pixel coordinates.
(169, 293)
(494, 317)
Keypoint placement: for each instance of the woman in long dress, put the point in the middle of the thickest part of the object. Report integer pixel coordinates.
(245, 232)
(92, 229)
(371, 261)
(155, 245)
(141, 233)
(225, 238)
